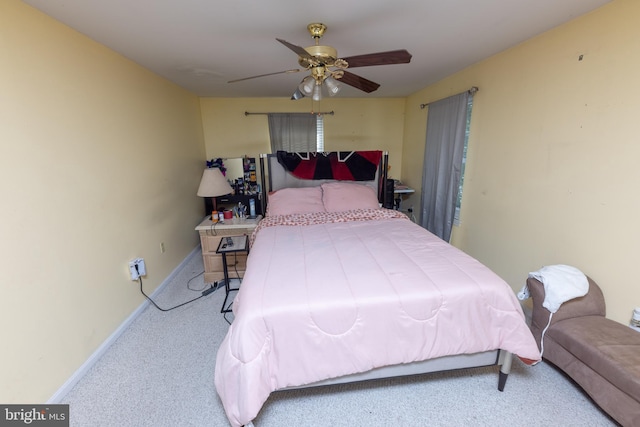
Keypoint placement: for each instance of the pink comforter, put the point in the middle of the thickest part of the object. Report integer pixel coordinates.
(363, 290)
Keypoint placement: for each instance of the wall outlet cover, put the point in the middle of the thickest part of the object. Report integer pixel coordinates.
(140, 271)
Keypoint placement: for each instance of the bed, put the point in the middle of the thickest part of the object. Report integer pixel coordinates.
(338, 289)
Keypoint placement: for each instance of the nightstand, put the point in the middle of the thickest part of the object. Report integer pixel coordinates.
(210, 235)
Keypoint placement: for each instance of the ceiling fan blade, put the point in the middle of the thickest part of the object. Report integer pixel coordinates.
(358, 82)
(297, 49)
(264, 75)
(381, 58)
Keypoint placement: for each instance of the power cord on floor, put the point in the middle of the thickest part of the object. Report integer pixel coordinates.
(205, 292)
(410, 214)
(189, 283)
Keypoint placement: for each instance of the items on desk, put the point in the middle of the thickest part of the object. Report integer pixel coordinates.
(399, 189)
(240, 211)
(228, 243)
(239, 186)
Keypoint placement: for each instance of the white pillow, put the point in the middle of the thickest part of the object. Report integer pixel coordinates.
(295, 201)
(345, 196)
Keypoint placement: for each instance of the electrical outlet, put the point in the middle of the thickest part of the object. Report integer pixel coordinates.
(141, 267)
(162, 248)
(139, 271)
(132, 270)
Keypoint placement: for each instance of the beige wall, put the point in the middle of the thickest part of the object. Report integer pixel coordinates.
(99, 163)
(552, 174)
(357, 124)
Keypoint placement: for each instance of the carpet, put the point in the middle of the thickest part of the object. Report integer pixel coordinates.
(160, 373)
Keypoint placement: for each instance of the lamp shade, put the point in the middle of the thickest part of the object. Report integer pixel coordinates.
(213, 184)
(306, 85)
(332, 85)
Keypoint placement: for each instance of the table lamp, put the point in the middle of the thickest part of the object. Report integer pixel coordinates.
(213, 184)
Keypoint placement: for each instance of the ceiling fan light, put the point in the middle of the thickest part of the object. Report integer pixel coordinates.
(332, 85)
(307, 85)
(317, 93)
(297, 95)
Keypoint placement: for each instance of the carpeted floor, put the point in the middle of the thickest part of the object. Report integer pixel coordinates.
(160, 373)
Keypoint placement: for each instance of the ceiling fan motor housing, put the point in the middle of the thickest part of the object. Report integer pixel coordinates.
(325, 55)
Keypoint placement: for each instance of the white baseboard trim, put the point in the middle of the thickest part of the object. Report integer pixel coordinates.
(100, 351)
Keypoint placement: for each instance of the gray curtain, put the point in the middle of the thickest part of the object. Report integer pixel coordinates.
(293, 132)
(446, 125)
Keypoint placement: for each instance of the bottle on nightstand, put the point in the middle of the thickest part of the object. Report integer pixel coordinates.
(252, 208)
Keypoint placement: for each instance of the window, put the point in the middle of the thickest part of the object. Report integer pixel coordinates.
(296, 132)
(456, 218)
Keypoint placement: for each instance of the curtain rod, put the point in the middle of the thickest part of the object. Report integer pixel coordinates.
(331, 113)
(471, 92)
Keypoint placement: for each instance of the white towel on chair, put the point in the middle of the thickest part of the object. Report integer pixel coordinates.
(561, 283)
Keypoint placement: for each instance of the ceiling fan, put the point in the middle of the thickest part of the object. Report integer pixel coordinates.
(327, 70)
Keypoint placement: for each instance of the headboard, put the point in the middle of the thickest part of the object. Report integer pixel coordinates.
(278, 176)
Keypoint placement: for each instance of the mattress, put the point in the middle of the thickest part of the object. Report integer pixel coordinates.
(332, 294)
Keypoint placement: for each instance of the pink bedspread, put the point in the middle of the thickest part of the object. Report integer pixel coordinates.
(364, 290)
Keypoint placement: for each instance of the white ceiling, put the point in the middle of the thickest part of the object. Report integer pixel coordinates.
(202, 44)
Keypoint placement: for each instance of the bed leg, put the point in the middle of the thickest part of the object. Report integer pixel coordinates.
(505, 368)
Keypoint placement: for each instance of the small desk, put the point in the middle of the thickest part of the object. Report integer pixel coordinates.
(398, 192)
(210, 235)
(231, 244)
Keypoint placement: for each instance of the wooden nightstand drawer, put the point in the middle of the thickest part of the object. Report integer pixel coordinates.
(213, 263)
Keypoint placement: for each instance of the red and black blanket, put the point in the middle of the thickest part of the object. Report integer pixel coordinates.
(339, 165)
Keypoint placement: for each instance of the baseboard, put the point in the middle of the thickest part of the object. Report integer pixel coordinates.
(100, 351)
